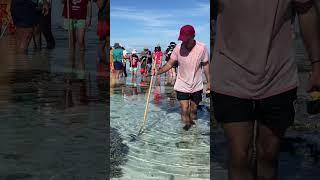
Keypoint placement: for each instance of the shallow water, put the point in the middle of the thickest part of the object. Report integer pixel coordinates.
(164, 150)
(52, 112)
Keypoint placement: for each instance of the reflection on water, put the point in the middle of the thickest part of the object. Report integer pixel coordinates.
(52, 112)
(165, 150)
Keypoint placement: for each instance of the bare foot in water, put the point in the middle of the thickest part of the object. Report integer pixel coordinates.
(187, 126)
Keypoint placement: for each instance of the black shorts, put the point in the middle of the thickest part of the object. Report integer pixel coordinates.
(195, 97)
(117, 65)
(25, 13)
(275, 112)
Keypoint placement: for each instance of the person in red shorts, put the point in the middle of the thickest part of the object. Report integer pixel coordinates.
(103, 27)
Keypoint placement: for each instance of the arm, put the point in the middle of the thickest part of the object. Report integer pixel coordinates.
(166, 67)
(205, 64)
(206, 73)
(310, 29)
(45, 7)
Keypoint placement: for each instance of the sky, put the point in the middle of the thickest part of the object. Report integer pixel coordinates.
(146, 23)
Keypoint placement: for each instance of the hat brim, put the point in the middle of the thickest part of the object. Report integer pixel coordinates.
(184, 38)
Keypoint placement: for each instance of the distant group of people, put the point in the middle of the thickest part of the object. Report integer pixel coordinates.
(33, 18)
(144, 60)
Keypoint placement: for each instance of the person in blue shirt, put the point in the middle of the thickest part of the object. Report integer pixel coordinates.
(117, 59)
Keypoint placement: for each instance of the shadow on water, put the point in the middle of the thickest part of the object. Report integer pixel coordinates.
(118, 153)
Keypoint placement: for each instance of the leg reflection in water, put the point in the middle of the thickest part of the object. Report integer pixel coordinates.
(76, 81)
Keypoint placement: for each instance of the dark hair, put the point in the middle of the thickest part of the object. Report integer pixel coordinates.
(156, 49)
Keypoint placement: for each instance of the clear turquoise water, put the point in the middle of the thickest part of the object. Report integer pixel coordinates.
(165, 150)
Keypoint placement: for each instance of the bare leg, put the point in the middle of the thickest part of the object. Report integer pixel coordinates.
(185, 112)
(73, 36)
(240, 139)
(80, 38)
(193, 110)
(37, 37)
(268, 147)
(24, 36)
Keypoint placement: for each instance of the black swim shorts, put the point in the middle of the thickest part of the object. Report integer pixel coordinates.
(275, 112)
(25, 13)
(195, 97)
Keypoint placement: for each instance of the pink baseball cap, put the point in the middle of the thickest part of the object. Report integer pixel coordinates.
(186, 32)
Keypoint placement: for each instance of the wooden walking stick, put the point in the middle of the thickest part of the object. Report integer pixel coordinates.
(147, 103)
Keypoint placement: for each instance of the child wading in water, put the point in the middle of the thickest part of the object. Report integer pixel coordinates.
(77, 19)
(143, 67)
(134, 59)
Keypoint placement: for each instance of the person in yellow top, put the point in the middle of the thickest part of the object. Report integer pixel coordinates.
(111, 60)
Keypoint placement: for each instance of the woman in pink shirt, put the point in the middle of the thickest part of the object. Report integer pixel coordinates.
(191, 55)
